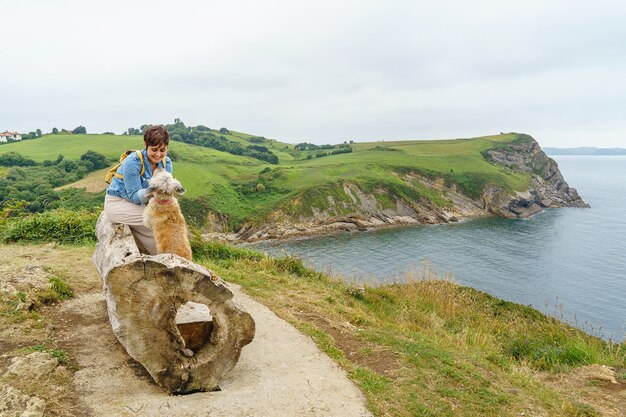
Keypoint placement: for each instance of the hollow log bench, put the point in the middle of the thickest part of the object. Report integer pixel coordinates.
(174, 317)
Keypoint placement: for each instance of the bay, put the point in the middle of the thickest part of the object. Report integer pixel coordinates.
(569, 263)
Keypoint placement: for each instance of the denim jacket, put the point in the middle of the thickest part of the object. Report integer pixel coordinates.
(133, 187)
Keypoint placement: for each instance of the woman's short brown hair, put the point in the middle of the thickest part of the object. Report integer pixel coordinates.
(156, 135)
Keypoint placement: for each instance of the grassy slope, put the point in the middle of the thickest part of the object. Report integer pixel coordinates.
(425, 348)
(71, 146)
(218, 175)
(430, 347)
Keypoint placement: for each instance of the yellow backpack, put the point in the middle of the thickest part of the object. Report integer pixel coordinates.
(113, 171)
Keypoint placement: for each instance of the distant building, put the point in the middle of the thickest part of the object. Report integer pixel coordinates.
(6, 136)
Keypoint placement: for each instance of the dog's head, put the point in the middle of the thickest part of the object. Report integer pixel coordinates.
(163, 184)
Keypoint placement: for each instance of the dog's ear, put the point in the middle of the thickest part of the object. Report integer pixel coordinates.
(150, 190)
(179, 189)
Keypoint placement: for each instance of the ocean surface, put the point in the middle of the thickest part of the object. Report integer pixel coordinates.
(569, 263)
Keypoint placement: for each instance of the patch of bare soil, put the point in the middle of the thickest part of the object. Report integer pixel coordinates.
(92, 183)
(597, 385)
(359, 351)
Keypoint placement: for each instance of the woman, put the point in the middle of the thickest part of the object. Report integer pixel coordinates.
(126, 196)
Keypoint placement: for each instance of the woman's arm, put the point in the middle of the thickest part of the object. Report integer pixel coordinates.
(131, 168)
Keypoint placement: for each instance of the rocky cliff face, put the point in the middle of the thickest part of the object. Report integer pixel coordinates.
(547, 188)
(423, 200)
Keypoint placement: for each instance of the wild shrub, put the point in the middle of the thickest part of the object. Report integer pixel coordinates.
(552, 354)
(79, 199)
(195, 210)
(61, 288)
(469, 183)
(60, 225)
(293, 266)
(220, 251)
(15, 159)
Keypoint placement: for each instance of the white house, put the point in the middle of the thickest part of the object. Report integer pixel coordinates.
(6, 136)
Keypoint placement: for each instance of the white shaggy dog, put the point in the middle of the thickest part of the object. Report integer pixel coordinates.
(163, 215)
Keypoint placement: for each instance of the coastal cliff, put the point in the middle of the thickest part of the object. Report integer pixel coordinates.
(316, 189)
(548, 188)
(421, 197)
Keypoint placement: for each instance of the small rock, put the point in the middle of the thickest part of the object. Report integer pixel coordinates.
(187, 352)
(34, 407)
(33, 366)
(9, 289)
(15, 403)
(62, 372)
(25, 305)
(598, 372)
(546, 202)
(31, 277)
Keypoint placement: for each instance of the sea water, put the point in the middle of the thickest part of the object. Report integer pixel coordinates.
(569, 263)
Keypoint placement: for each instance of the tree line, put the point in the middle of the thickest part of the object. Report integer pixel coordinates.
(204, 136)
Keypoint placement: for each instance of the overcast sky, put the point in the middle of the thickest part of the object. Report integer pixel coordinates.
(320, 71)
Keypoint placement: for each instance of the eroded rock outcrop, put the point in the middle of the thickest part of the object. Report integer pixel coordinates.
(14, 402)
(548, 188)
(32, 367)
(144, 294)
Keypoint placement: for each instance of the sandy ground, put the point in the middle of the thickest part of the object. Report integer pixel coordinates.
(281, 373)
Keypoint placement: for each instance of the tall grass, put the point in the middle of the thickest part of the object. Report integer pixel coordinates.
(473, 319)
(60, 225)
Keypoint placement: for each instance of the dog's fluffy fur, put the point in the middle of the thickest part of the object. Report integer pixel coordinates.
(163, 215)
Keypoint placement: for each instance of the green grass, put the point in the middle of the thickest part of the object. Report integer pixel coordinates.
(48, 147)
(61, 289)
(60, 225)
(62, 356)
(229, 182)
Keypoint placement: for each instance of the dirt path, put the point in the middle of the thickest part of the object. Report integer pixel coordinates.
(281, 373)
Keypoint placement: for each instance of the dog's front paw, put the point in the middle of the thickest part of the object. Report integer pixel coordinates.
(146, 221)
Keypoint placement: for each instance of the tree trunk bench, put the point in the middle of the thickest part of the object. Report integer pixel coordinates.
(175, 317)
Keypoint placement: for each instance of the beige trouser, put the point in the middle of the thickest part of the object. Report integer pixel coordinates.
(119, 210)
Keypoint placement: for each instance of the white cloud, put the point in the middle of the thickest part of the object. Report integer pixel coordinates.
(321, 71)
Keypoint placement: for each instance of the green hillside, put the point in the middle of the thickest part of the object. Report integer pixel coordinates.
(48, 147)
(229, 184)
